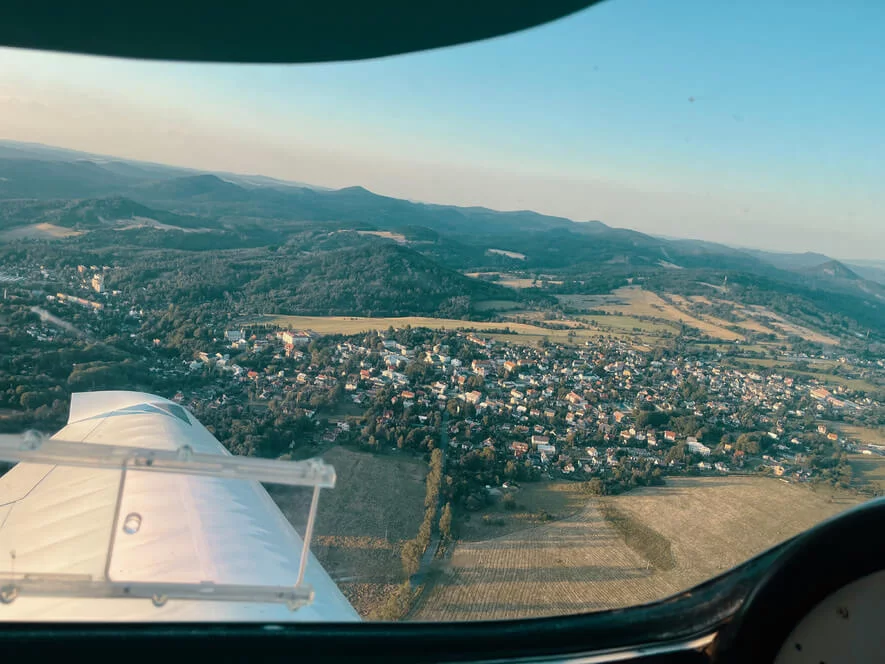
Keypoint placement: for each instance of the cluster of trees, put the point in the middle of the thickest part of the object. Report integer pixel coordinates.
(37, 377)
(403, 429)
(628, 475)
(414, 548)
(829, 461)
(475, 469)
(445, 521)
(680, 422)
(397, 605)
(257, 431)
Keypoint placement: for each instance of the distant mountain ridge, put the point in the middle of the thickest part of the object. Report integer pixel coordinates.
(87, 193)
(833, 269)
(10, 149)
(821, 265)
(791, 261)
(869, 269)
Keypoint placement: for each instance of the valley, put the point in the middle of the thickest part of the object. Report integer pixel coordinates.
(528, 415)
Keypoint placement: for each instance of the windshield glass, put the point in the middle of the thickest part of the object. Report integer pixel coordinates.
(581, 316)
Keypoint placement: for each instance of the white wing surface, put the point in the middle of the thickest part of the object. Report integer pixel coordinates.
(58, 520)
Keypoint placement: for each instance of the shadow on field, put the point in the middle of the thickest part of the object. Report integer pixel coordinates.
(647, 542)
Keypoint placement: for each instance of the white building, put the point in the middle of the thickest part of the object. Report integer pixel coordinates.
(98, 282)
(293, 338)
(697, 448)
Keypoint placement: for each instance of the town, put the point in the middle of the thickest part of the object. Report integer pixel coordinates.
(556, 411)
(504, 412)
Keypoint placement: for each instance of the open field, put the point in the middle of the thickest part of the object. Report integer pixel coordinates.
(850, 383)
(749, 317)
(147, 222)
(600, 323)
(635, 301)
(360, 529)
(868, 472)
(40, 231)
(504, 279)
(399, 238)
(510, 280)
(521, 332)
(533, 501)
(749, 321)
(752, 325)
(869, 435)
(756, 318)
(357, 324)
(788, 327)
(633, 313)
(631, 324)
(746, 321)
(684, 305)
(622, 550)
(509, 254)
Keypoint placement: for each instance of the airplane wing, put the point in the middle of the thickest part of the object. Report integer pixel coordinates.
(167, 528)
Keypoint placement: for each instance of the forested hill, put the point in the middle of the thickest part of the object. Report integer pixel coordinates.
(367, 277)
(286, 248)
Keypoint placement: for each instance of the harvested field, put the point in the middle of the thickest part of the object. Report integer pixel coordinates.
(715, 523)
(624, 550)
(536, 504)
(579, 563)
(648, 543)
(357, 324)
(360, 529)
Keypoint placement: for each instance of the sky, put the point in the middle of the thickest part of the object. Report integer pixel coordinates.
(755, 124)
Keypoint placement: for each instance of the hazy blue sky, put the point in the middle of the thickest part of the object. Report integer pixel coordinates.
(591, 117)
